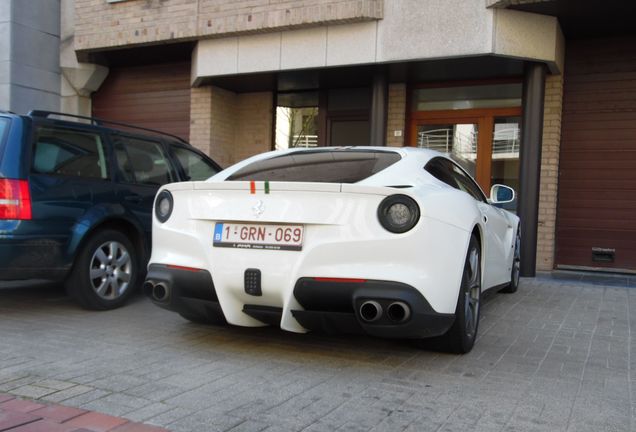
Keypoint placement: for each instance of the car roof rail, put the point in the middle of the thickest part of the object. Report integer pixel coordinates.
(101, 122)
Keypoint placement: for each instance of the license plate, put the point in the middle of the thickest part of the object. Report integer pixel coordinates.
(258, 236)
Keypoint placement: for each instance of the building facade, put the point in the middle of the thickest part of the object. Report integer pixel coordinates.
(536, 94)
(29, 55)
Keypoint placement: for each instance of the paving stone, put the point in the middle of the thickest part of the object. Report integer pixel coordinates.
(19, 405)
(44, 426)
(96, 422)
(12, 419)
(58, 413)
(68, 393)
(32, 391)
(555, 356)
(147, 412)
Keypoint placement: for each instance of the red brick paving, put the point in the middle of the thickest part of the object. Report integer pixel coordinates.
(18, 415)
(19, 405)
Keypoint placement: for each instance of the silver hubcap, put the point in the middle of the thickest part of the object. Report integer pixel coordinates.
(516, 263)
(110, 270)
(471, 303)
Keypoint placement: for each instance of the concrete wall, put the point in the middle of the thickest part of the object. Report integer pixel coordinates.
(102, 24)
(29, 55)
(410, 30)
(78, 80)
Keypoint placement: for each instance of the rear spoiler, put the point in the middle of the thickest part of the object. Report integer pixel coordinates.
(266, 187)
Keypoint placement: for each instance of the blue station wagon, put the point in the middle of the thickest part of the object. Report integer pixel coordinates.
(76, 199)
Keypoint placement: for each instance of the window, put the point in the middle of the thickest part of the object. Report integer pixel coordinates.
(194, 166)
(141, 161)
(297, 120)
(69, 152)
(341, 166)
(451, 174)
(467, 97)
(467, 184)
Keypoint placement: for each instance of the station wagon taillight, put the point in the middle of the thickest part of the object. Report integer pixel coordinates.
(15, 199)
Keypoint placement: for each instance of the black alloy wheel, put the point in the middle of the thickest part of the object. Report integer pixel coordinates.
(461, 336)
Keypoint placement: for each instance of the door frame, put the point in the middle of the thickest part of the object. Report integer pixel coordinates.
(485, 120)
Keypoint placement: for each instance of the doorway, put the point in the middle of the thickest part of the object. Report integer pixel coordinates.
(485, 142)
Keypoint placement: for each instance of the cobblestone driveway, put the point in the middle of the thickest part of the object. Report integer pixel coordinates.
(553, 357)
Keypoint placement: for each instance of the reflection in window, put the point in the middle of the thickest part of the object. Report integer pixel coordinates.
(341, 166)
(459, 141)
(194, 166)
(141, 161)
(69, 152)
(297, 120)
(505, 154)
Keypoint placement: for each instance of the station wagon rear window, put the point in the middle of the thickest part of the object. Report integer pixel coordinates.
(339, 166)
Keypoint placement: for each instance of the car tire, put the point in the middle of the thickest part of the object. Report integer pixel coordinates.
(516, 267)
(461, 336)
(105, 272)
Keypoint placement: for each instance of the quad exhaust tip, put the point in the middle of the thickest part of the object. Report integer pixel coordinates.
(398, 312)
(370, 311)
(159, 291)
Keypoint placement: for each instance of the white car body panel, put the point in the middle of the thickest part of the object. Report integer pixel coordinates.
(342, 236)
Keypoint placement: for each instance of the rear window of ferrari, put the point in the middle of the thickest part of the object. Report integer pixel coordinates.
(339, 166)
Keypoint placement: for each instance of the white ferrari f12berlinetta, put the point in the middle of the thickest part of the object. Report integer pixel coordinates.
(391, 242)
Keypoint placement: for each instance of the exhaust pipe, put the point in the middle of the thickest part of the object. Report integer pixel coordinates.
(398, 312)
(160, 292)
(370, 311)
(147, 288)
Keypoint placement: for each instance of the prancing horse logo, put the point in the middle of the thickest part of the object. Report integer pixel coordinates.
(258, 208)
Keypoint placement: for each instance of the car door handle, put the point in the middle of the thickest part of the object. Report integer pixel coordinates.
(132, 199)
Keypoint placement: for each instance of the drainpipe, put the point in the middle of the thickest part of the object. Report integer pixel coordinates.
(530, 163)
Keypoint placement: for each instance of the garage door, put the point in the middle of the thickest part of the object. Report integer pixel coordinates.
(596, 219)
(156, 97)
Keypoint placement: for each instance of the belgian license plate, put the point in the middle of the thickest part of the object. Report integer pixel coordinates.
(258, 236)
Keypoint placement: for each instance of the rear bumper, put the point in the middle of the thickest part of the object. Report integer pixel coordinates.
(26, 257)
(334, 306)
(190, 293)
(328, 306)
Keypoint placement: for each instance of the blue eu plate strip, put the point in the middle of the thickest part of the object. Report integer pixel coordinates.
(218, 232)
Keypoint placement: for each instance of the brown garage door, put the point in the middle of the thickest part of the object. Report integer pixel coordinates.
(596, 220)
(156, 97)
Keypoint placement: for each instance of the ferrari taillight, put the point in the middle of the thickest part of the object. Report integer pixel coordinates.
(15, 199)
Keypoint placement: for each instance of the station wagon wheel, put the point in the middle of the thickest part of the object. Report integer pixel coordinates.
(461, 336)
(105, 271)
(515, 272)
(110, 270)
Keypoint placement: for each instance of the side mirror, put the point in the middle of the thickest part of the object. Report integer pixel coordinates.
(501, 194)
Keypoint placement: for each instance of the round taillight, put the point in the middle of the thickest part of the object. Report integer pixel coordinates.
(163, 206)
(398, 213)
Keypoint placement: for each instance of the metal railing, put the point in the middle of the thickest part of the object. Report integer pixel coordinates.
(305, 140)
(446, 140)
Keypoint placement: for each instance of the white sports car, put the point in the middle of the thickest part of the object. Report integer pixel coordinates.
(392, 242)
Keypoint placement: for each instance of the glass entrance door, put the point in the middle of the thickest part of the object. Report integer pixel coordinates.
(486, 145)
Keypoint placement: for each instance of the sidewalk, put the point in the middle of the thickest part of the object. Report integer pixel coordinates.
(17, 415)
(557, 356)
